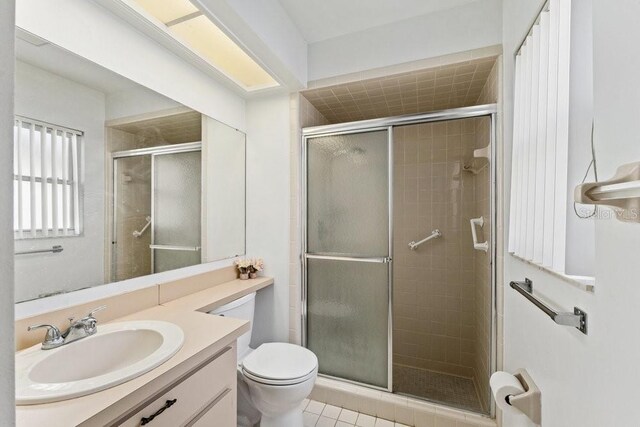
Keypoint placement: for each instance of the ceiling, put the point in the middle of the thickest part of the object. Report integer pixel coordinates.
(174, 129)
(440, 88)
(325, 19)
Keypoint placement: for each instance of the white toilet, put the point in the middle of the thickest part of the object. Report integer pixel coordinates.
(273, 379)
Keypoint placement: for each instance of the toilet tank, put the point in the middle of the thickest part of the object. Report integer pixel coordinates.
(242, 308)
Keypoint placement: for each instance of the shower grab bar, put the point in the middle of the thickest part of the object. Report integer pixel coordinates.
(378, 260)
(577, 319)
(175, 248)
(54, 249)
(137, 233)
(484, 246)
(413, 245)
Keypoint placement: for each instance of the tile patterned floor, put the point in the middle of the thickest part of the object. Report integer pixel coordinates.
(442, 388)
(317, 414)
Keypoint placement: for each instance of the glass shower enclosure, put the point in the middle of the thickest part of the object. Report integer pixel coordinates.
(414, 321)
(156, 210)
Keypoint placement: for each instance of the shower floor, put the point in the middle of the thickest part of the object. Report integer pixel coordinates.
(438, 387)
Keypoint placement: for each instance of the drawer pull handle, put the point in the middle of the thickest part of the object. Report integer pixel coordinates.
(147, 420)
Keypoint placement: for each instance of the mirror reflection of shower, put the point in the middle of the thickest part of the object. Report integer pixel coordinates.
(156, 202)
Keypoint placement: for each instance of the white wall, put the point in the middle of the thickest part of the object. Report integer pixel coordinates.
(88, 30)
(134, 101)
(459, 29)
(585, 380)
(44, 96)
(268, 204)
(7, 408)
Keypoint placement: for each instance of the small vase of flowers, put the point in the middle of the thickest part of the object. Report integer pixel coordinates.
(243, 265)
(257, 264)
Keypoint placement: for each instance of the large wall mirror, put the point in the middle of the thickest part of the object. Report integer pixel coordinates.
(113, 181)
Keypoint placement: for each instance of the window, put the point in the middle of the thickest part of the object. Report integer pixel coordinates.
(547, 151)
(46, 183)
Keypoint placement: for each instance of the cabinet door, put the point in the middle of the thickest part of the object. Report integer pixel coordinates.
(183, 403)
(221, 413)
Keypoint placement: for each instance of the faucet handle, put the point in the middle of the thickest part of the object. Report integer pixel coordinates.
(95, 310)
(53, 337)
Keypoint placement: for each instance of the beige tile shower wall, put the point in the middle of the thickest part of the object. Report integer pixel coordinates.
(434, 298)
(303, 114)
(482, 260)
(133, 256)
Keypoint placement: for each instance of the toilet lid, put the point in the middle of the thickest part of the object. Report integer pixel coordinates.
(280, 363)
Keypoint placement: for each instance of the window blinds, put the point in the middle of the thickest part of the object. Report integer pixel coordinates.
(537, 222)
(46, 179)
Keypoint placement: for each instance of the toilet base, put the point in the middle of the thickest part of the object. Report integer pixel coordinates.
(292, 418)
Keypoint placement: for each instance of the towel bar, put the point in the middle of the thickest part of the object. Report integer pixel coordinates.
(577, 319)
(54, 249)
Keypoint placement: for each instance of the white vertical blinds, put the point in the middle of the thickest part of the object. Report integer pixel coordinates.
(537, 222)
(46, 179)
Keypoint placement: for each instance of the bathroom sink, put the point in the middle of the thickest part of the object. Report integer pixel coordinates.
(117, 353)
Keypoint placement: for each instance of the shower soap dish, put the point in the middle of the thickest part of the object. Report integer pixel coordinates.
(481, 158)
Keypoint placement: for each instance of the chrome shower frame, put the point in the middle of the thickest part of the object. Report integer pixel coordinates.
(388, 123)
(137, 152)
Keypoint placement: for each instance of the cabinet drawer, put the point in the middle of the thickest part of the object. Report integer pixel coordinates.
(191, 395)
(220, 413)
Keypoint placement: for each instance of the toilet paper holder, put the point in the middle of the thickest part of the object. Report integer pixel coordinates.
(529, 402)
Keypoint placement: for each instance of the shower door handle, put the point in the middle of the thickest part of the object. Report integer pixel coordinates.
(484, 246)
(378, 260)
(176, 248)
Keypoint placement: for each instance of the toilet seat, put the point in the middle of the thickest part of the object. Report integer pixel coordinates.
(280, 364)
(272, 382)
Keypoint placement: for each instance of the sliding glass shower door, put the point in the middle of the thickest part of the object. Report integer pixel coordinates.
(348, 255)
(176, 210)
(156, 210)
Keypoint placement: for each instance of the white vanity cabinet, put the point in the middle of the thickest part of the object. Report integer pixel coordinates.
(205, 397)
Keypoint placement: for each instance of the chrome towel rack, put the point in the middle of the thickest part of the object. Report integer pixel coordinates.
(577, 319)
(413, 245)
(54, 249)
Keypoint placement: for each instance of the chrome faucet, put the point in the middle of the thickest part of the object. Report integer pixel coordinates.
(78, 329)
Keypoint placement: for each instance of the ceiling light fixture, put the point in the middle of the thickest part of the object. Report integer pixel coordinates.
(187, 24)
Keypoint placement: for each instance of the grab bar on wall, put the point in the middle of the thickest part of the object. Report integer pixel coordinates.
(577, 319)
(54, 249)
(137, 233)
(176, 248)
(413, 245)
(484, 246)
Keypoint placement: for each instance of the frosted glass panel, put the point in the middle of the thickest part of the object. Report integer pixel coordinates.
(347, 314)
(177, 214)
(166, 260)
(347, 194)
